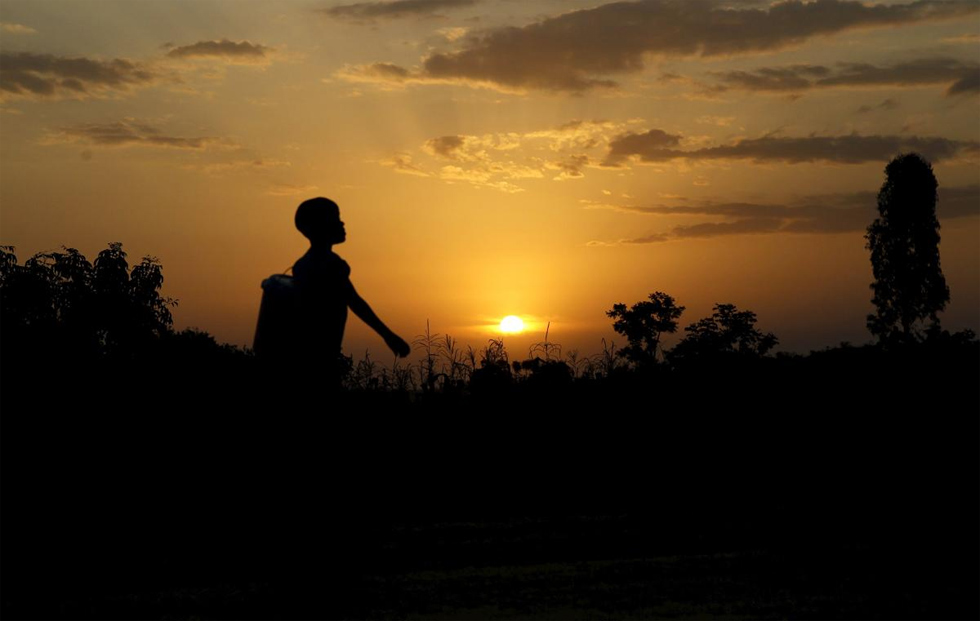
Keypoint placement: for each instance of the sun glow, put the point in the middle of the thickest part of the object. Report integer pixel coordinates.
(511, 324)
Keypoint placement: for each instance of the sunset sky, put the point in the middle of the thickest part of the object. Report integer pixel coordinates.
(544, 158)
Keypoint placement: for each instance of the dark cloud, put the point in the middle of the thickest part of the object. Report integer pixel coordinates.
(959, 202)
(791, 78)
(628, 144)
(888, 104)
(716, 229)
(370, 11)
(852, 149)
(570, 167)
(445, 146)
(653, 238)
(969, 84)
(824, 214)
(231, 51)
(402, 162)
(127, 133)
(578, 50)
(915, 72)
(25, 74)
(377, 73)
(958, 74)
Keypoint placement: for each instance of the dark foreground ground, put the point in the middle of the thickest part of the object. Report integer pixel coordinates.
(818, 489)
(836, 580)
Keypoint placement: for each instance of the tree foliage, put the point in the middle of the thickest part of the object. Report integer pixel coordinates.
(728, 331)
(643, 324)
(59, 300)
(908, 286)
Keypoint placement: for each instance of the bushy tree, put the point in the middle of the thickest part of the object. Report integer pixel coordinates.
(909, 286)
(58, 300)
(728, 331)
(643, 324)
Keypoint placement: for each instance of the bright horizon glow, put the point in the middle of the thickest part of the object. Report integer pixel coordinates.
(511, 324)
(557, 187)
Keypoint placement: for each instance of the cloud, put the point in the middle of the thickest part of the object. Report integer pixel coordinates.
(367, 12)
(285, 189)
(716, 229)
(792, 78)
(648, 142)
(959, 202)
(822, 214)
(128, 133)
(497, 160)
(719, 121)
(570, 167)
(579, 134)
(402, 162)
(453, 34)
(448, 147)
(652, 238)
(235, 52)
(961, 77)
(487, 175)
(45, 76)
(455, 173)
(385, 75)
(888, 104)
(250, 166)
(969, 84)
(481, 177)
(577, 51)
(968, 39)
(513, 170)
(468, 148)
(852, 149)
(12, 28)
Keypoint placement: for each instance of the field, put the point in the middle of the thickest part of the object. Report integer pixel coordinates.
(838, 485)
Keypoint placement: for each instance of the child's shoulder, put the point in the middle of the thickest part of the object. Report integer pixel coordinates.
(322, 262)
(338, 261)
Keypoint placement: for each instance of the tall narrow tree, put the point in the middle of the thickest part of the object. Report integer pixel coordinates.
(908, 286)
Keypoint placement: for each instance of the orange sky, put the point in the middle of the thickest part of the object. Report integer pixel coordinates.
(492, 157)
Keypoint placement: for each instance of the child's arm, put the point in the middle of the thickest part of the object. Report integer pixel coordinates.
(362, 310)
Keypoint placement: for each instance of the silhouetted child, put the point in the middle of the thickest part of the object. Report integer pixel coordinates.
(324, 279)
(306, 333)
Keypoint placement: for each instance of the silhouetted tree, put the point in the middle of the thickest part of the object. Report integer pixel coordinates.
(643, 324)
(909, 286)
(60, 300)
(728, 331)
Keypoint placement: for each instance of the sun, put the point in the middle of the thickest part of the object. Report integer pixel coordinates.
(511, 324)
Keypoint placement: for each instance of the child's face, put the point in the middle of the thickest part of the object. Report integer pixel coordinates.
(330, 231)
(337, 232)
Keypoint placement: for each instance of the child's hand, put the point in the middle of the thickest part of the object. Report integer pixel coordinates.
(398, 345)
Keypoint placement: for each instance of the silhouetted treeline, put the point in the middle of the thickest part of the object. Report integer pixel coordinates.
(139, 462)
(59, 306)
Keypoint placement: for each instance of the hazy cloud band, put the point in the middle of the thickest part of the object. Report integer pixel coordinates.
(831, 213)
(961, 77)
(852, 149)
(370, 11)
(26, 74)
(579, 50)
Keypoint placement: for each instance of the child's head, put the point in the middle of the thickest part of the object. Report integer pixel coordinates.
(319, 220)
